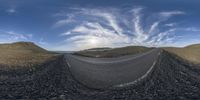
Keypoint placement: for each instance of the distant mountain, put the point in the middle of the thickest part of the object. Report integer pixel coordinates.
(98, 49)
(113, 52)
(23, 54)
(63, 52)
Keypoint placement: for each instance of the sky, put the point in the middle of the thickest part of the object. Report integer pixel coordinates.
(68, 25)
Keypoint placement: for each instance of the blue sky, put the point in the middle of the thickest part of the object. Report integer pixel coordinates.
(82, 24)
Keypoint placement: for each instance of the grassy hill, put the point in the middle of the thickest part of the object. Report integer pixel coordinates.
(23, 54)
(115, 52)
(190, 53)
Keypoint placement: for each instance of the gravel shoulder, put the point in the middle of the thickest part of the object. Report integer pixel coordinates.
(171, 78)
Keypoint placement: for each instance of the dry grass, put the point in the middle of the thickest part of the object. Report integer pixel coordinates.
(23, 54)
(116, 52)
(190, 53)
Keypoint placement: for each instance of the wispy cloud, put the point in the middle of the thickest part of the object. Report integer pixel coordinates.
(170, 24)
(193, 29)
(11, 11)
(69, 19)
(11, 36)
(114, 27)
(171, 13)
(42, 42)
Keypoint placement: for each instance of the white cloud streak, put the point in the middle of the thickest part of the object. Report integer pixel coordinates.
(108, 28)
(171, 13)
(170, 24)
(11, 11)
(11, 36)
(68, 20)
(42, 42)
(193, 29)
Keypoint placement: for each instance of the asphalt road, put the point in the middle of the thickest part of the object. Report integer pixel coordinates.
(107, 72)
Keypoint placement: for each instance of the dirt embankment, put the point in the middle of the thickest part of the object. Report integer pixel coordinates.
(170, 79)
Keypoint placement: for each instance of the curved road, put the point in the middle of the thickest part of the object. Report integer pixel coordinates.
(106, 72)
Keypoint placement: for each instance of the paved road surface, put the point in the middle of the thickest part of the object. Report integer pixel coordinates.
(107, 72)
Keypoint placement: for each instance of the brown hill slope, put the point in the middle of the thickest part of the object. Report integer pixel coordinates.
(23, 54)
(190, 53)
(22, 46)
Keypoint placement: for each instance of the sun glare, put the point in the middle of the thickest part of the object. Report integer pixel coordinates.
(93, 41)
